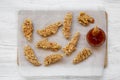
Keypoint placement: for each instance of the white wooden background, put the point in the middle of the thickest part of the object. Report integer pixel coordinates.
(8, 36)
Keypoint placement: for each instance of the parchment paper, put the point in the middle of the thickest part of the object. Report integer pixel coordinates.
(93, 66)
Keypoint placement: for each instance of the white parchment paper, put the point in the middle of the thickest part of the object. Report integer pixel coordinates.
(93, 66)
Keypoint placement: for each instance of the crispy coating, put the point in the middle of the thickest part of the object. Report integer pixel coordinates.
(81, 56)
(27, 29)
(85, 19)
(50, 29)
(71, 46)
(67, 25)
(30, 56)
(45, 44)
(53, 58)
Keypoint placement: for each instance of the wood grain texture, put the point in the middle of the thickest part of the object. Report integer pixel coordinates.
(8, 35)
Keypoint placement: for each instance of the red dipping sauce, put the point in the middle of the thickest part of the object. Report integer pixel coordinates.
(97, 38)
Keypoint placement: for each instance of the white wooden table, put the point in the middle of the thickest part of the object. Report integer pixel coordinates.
(8, 36)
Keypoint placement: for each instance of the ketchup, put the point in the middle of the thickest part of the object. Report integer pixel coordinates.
(96, 37)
